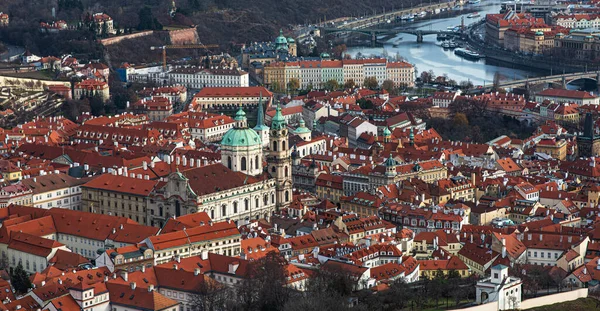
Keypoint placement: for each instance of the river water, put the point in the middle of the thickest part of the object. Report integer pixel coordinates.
(429, 55)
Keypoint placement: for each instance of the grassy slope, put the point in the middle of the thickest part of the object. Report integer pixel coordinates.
(581, 304)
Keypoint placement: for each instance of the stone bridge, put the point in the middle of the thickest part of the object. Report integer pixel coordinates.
(562, 78)
(374, 32)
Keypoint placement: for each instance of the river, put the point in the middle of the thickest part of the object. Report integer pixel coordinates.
(429, 55)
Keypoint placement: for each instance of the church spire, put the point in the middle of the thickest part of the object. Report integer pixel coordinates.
(411, 137)
(260, 117)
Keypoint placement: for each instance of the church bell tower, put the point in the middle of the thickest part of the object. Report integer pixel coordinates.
(279, 159)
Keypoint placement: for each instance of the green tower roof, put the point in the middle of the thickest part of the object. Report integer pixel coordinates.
(302, 128)
(260, 119)
(281, 39)
(386, 131)
(390, 161)
(278, 121)
(240, 115)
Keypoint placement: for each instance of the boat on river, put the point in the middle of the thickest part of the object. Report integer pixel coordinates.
(474, 1)
(466, 53)
(473, 15)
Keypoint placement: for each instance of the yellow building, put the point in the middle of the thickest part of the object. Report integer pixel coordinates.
(10, 171)
(330, 187)
(552, 147)
(363, 204)
(118, 196)
(431, 268)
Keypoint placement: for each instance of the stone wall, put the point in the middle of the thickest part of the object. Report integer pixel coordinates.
(114, 40)
(29, 84)
(182, 36)
(552, 299)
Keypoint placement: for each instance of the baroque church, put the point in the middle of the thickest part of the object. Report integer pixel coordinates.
(240, 188)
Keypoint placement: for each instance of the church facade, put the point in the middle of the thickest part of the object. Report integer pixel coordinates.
(239, 188)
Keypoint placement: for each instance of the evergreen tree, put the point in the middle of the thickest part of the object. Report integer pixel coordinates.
(19, 279)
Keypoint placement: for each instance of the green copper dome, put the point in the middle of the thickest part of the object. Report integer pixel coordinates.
(291, 40)
(302, 128)
(390, 161)
(325, 55)
(281, 41)
(539, 33)
(240, 135)
(386, 131)
(241, 138)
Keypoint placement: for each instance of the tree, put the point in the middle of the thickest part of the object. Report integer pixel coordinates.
(427, 76)
(210, 296)
(265, 286)
(97, 105)
(365, 103)
(466, 85)
(371, 83)
(496, 82)
(293, 85)
(350, 84)
(104, 31)
(147, 20)
(332, 85)
(389, 86)
(310, 86)
(20, 280)
(460, 119)
(339, 50)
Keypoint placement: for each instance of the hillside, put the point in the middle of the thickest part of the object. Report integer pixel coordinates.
(218, 21)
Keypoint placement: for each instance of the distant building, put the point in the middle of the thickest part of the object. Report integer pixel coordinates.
(100, 19)
(266, 52)
(91, 88)
(199, 78)
(4, 19)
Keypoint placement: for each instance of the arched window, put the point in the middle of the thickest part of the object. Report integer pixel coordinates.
(243, 163)
(274, 146)
(272, 198)
(256, 203)
(287, 196)
(273, 169)
(283, 145)
(224, 210)
(256, 162)
(266, 199)
(286, 171)
(212, 214)
(229, 162)
(247, 204)
(160, 211)
(235, 204)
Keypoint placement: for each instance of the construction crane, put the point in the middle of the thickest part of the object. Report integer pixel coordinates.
(164, 49)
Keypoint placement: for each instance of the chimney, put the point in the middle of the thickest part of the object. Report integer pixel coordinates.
(541, 236)
(125, 275)
(197, 271)
(43, 283)
(151, 288)
(132, 284)
(204, 255)
(178, 258)
(143, 268)
(145, 165)
(473, 179)
(529, 237)
(175, 267)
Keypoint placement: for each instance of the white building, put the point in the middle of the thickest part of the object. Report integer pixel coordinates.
(56, 190)
(500, 287)
(198, 78)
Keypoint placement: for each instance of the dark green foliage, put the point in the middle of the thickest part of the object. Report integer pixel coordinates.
(147, 20)
(481, 126)
(19, 279)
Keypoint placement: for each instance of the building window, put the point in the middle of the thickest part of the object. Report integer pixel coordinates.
(235, 206)
(243, 163)
(224, 210)
(246, 204)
